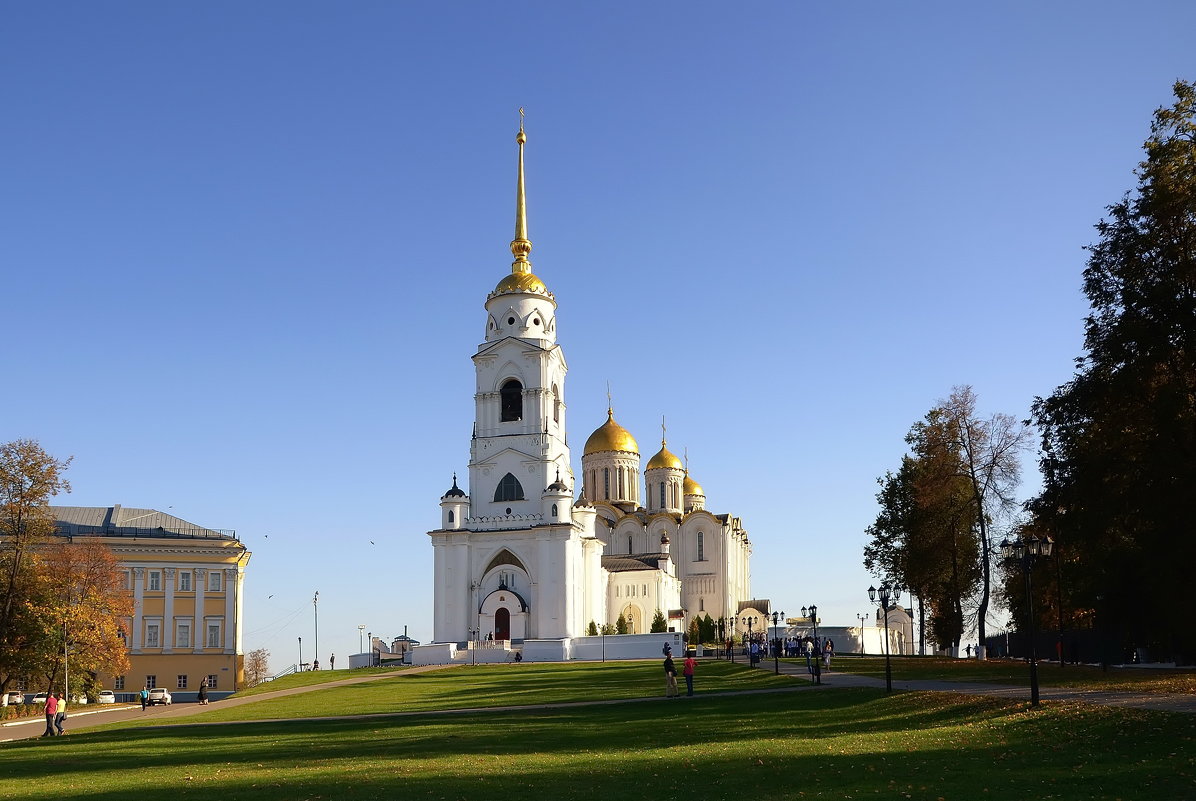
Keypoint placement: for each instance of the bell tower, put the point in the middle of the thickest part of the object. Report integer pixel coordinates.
(518, 447)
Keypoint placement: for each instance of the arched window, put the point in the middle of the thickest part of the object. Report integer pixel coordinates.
(452, 517)
(701, 548)
(628, 543)
(511, 396)
(701, 604)
(662, 506)
(554, 511)
(606, 483)
(556, 404)
(622, 484)
(509, 489)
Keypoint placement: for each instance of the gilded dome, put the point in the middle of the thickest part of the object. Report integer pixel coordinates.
(521, 282)
(611, 436)
(691, 487)
(664, 459)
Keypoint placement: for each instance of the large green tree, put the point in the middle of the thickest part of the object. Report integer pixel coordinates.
(1119, 438)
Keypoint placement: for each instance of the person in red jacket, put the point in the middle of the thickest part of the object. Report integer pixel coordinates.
(688, 670)
(51, 711)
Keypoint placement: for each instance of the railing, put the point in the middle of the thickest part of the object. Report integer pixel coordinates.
(79, 530)
(285, 672)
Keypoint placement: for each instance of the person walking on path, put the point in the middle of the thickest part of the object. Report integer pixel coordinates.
(51, 711)
(670, 678)
(332, 662)
(828, 650)
(144, 696)
(203, 692)
(60, 715)
(688, 670)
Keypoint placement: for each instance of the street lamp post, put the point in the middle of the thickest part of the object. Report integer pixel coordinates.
(474, 634)
(1026, 552)
(776, 650)
(886, 594)
(863, 647)
(315, 610)
(369, 635)
(812, 613)
(750, 620)
(360, 632)
(300, 653)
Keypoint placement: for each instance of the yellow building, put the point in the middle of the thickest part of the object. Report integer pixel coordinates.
(186, 583)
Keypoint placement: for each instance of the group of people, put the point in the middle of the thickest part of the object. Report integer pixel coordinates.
(55, 715)
(670, 674)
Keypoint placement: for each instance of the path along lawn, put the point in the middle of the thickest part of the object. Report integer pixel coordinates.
(807, 743)
(1016, 673)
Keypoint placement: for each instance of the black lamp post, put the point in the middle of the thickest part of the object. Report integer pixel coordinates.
(300, 654)
(369, 635)
(1026, 552)
(887, 600)
(776, 650)
(863, 648)
(315, 611)
(812, 613)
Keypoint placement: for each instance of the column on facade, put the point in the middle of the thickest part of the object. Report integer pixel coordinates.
(138, 622)
(239, 611)
(230, 609)
(198, 623)
(168, 613)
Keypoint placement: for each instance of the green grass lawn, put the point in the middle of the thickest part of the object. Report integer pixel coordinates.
(490, 686)
(1016, 673)
(811, 743)
(310, 677)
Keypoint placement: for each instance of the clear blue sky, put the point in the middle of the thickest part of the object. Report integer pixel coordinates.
(245, 248)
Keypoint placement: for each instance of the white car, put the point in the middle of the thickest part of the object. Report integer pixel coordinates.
(106, 697)
(159, 695)
(40, 698)
(16, 698)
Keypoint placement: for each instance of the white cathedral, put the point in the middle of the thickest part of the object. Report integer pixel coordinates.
(519, 560)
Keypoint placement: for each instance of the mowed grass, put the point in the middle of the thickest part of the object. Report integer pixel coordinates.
(310, 677)
(490, 686)
(1016, 673)
(810, 743)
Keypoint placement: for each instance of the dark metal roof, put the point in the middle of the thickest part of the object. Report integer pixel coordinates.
(118, 521)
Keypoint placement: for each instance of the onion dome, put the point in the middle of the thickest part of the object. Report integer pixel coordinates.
(520, 282)
(582, 502)
(454, 491)
(558, 485)
(691, 487)
(611, 436)
(664, 458)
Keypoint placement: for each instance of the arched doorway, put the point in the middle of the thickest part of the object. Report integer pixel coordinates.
(502, 623)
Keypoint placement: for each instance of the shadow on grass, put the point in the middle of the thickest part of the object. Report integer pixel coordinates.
(845, 741)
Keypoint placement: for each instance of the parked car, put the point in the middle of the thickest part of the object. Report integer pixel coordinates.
(16, 698)
(40, 698)
(159, 695)
(106, 697)
(79, 700)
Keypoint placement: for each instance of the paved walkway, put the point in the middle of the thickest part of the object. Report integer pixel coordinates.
(1171, 702)
(81, 717)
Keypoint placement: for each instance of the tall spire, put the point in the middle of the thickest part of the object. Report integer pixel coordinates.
(520, 246)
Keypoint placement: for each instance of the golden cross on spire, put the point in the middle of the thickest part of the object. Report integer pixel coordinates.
(610, 407)
(663, 429)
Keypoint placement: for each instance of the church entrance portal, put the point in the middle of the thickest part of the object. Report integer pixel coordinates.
(502, 623)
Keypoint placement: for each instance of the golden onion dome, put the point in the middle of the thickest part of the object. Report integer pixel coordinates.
(520, 282)
(611, 436)
(664, 459)
(691, 487)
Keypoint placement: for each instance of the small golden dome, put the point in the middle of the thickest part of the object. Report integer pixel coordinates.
(664, 459)
(611, 436)
(691, 487)
(520, 282)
